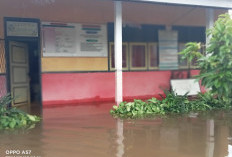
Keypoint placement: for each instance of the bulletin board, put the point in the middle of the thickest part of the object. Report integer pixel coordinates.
(168, 50)
(74, 39)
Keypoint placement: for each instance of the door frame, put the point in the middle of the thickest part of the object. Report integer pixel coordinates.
(22, 39)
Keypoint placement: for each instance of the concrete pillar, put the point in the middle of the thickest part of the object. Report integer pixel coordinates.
(210, 123)
(118, 51)
(230, 13)
(209, 21)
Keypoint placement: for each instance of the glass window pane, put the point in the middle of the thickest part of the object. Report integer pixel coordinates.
(124, 55)
(182, 63)
(138, 56)
(194, 61)
(112, 56)
(153, 55)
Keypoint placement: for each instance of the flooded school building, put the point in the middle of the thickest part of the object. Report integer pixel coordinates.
(58, 52)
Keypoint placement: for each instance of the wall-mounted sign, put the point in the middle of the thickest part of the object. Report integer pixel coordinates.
(68, 39)
(93, 41)
(21, 29)
(183, 86)
(168, 49)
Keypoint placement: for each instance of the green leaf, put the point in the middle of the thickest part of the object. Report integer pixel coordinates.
(115, 107)
(32, 118)
(12, 124)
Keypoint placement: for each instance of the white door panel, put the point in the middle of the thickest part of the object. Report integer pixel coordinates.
(19, 74)
(21, 95)
(19, 70)
(19, 54)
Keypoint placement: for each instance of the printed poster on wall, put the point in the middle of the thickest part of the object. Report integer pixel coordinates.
(93, 40)
(74, 40)
(59, 40)
(168, 50)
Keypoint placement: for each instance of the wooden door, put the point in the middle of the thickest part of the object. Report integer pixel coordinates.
(19, 75)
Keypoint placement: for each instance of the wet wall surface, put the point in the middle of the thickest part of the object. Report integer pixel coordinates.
(90, 131)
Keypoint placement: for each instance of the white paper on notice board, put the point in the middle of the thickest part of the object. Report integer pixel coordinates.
(59, 40)
(74, 40)
(183, 86)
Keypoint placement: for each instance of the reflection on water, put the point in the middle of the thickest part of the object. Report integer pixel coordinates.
(89, 131)
(120, 138)
(209, 138)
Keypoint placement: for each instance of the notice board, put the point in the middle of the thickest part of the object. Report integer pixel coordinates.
(168, 49)
(74, 39)
(183, 86)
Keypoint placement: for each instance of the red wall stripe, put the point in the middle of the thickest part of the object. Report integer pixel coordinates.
(72, 88)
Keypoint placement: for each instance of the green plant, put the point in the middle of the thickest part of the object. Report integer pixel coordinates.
(137, 108)
(215, 67)
(191, 52)
(170, 104)
(11, 118)
(174, 103)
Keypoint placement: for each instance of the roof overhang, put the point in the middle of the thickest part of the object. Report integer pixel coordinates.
(226, 4)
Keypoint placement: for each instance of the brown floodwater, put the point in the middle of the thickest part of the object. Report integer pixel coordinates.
(90, 131)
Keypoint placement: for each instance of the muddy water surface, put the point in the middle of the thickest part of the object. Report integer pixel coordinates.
(90, 131)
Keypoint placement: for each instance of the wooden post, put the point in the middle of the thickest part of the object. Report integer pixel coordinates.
(118, 51)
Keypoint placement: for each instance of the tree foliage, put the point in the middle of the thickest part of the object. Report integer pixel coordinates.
(216, 65)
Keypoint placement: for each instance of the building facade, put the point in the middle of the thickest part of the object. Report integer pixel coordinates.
(62, 52)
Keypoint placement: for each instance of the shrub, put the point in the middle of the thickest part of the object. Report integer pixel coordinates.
(170, 104)
(11, 118)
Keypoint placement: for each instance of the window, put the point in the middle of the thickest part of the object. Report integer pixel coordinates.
(138, 56)
(124, 56)
(144, 56)
(194, 61)
(182, 63)
(153, 56)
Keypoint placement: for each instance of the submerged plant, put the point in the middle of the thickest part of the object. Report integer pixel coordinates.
(11, 118)
(170, 104)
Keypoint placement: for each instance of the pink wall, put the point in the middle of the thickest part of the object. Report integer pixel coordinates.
(70, 88)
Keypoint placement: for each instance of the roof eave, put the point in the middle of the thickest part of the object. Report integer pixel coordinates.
(224, 4)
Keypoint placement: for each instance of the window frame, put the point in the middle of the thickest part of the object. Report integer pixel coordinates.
(131, 44)
(110, 56)
(149, 44)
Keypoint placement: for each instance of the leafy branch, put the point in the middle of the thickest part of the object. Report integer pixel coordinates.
(11, 118)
